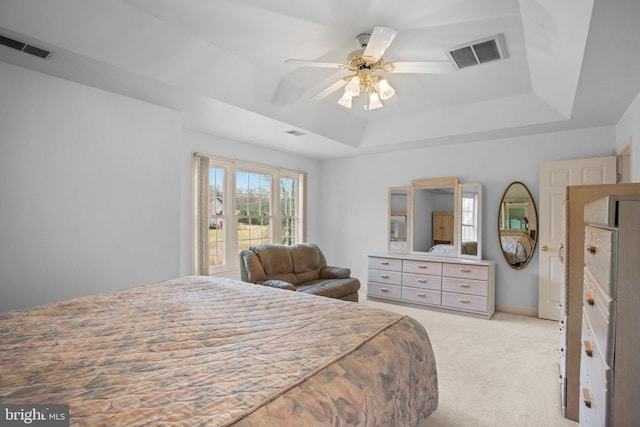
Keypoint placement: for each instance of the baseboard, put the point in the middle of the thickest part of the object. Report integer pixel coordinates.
(517, 309)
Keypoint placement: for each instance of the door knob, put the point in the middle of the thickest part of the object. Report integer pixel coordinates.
(545, 248)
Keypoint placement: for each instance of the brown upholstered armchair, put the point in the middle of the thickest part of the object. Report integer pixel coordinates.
(301, 267)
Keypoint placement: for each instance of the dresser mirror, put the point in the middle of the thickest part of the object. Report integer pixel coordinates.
(435, 204)
(517, 225)
(470, 220)
(400, 219)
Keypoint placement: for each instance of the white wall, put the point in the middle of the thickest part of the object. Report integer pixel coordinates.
(629, 126)
(90, 190)
(354, 197)
(96, 189)
(208, 144)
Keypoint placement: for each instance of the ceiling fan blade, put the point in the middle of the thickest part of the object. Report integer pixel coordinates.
(328, 91)
(380, 39)
(424, 67)
(305, 63)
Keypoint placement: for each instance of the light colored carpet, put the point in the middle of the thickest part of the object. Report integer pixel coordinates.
(499, 372)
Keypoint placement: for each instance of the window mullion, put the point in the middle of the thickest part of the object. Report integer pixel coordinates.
(231, 233)
(276, 216)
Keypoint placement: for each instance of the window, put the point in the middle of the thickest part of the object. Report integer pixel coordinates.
(241, 204)
(469, 218)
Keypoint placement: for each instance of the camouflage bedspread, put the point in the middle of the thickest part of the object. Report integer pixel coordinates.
(199, 351)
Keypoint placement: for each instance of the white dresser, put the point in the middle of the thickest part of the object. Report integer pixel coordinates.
(610, 357)
(448, 284)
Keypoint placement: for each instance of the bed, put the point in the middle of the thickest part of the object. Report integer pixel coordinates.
(466, 248)
(210, 351)
(517, 246)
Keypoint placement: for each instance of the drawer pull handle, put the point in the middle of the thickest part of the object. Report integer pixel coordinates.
(590, 298)
(384, 290)
(591, 249)
(586, 397)
(588, 348)
(422, 281)
(465, 270)
(385, 263)
(421, 295)
(384, 276)
(464, 285)
(423, 266)
(464, 301)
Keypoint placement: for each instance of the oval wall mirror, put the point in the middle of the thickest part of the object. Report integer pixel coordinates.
(517, 225)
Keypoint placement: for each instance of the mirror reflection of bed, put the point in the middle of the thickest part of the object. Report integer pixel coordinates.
(517, 225)
(517, 246)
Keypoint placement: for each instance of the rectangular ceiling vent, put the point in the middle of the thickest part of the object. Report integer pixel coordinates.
(478, 52)
(24, 47)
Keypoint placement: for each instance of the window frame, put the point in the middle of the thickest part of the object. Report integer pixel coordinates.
(473, 226)
(230, 216)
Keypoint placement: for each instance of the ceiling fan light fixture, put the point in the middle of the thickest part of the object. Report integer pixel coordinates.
(345, 101)
(384, 89)
(374, 100)
(353, 87)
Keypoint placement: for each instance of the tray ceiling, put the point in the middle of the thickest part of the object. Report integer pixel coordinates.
(223, 64)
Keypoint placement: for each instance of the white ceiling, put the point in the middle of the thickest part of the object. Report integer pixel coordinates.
(570, 64)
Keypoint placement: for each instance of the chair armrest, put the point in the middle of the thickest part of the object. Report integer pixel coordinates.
(280, 284)
(330, 272)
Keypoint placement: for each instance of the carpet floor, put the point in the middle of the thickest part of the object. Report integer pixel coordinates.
(499, 372)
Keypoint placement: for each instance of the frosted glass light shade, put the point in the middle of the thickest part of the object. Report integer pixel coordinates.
(385, 90)
(345, 101)
(374, 101)
(353, 87)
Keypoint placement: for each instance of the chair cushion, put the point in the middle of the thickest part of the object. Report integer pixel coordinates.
(307, 261)
(276, 262)
(333, 288)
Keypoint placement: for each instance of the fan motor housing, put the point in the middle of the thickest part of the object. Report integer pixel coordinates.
(363, 39)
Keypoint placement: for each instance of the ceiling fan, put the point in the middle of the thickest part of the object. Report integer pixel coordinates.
(365, 63)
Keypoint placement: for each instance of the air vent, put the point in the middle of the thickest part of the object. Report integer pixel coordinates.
(294, 132)
(478, 52)
(24, 47)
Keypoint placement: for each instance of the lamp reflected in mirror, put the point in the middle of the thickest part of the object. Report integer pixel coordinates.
(517, 225)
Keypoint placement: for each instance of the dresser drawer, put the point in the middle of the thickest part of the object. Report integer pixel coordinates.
(599, 308)
(465, 302)
(598, 256)
(384, 291)
(595, 374)
(422, 267)
(391, 264)
(422, 296)
(465, 286)
(384, 276)
(423, 281)
(466, 271)
(590, 415)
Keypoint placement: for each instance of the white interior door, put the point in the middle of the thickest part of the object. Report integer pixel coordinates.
(554, 178)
